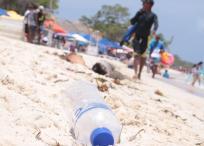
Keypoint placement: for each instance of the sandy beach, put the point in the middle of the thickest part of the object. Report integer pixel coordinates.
(33, 78)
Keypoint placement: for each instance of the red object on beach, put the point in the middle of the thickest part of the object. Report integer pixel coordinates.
(167, 58)
(51, 24)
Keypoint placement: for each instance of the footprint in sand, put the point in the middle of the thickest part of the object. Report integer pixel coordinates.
(11, 84)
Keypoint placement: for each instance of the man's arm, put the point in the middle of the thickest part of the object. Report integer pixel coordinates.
(156, 23)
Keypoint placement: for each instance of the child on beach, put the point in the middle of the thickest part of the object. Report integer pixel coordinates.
(166, 74)
(156, 47)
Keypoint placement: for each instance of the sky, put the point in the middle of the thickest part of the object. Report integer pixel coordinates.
(182, 19)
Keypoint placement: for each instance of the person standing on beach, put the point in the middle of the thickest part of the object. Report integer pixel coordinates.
(196, 73)
(156, 47)
(144, 19)
(40, 21)
(32, 24)
(25, 21)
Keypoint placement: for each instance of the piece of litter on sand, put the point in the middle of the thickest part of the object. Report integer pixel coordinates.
(38, 134)
(117, 81)
(58, 81)
(200, 144)
(75, 71)
(174, 115)
(103, 88)
(194, 115)
(101, 79)
(158, 100)
(158, 92)
(135, 136)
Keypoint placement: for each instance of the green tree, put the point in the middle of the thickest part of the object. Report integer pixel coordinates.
(180, 62)
(53, 4)
(110, 20)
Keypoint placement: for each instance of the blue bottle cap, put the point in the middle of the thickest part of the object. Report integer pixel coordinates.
(102, 137)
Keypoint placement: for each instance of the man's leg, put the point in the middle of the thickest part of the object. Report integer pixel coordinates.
(136, 63)
(30, 34)
(34, 33)
(142, 63)
(143, 47)
(154, 70)
(148, 65)
(136, 46)
(194, 80)
(38, 34)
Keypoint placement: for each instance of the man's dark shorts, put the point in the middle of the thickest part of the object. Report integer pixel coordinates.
(140, 44)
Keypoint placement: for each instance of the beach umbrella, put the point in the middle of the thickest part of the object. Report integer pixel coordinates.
(79, 38)
(89, 38)
(51, 24)
(3, 12)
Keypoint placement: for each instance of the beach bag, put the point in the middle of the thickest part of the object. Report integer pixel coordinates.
(127, 36)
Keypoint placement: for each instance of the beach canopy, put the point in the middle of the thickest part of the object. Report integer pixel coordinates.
(62, 34)
(79, 38)
(3, 12)
(14, 15)
(115, 45)
(89, 38)
(109, 44)
(51, 24)
(104, 44)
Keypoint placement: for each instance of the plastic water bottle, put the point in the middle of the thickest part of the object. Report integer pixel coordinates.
(94, 124)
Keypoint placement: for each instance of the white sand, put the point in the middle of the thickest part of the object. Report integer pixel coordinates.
(32, 79)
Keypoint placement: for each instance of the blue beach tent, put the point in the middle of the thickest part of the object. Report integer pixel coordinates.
(89, 38)
(104, 44)
(3, 12)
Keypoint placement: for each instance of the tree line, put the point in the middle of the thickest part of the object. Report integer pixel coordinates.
(21, 5)
(111, 21)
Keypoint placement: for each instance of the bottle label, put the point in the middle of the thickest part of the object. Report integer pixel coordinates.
(80, 111)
